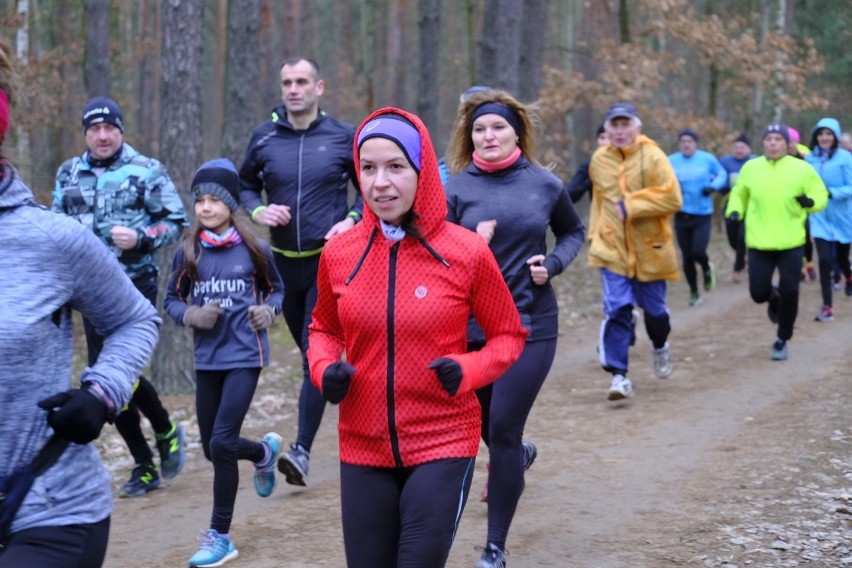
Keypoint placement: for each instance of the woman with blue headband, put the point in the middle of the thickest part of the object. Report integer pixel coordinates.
(387, 343)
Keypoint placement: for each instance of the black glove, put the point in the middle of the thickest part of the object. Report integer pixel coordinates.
(336, 380)
(75, 415)
(805, 201)
(707, 191)
(734, 216)
(203, 317)
(449, 373)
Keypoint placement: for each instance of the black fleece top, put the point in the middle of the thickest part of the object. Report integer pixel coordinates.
(524, 200)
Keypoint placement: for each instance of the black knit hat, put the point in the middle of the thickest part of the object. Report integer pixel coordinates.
(777, 128)
(744, 139)
(102, 109)
(688, 132)
(218, 178)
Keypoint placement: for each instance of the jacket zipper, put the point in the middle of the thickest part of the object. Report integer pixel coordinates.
(299, 195)
(394, 436)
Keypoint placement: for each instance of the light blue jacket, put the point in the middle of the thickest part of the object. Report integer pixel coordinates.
(835, 169)
(694, 173)
(52, 264)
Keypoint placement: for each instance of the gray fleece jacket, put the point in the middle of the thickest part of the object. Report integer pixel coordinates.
(50, 264)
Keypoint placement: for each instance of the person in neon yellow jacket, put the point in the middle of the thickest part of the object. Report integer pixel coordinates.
(773, 195)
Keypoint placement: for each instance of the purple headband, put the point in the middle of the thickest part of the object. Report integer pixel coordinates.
(496, 108)
(398, 130)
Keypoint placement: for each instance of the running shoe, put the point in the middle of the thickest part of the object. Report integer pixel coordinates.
(620, 389)
(812, 275)
(143, 479)
(215, 550)
(710, 277)
(530, 453)
(294, 465)
(848, 289)
(264, 472)
(825, 314)
(663, 361)
(172, 453)
(779, 350)
(694, 299)
(772, 307)
(492, 557)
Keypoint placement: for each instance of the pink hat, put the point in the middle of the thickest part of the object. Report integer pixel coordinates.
(794, 135)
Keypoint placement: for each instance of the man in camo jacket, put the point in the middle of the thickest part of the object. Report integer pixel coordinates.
(132, 206)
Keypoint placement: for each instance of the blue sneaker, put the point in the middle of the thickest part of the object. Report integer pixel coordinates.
(264, 473)
(172, 453)
(215, 550)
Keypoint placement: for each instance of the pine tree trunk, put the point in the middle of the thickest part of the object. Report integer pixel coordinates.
(242, 93)
(180, 141)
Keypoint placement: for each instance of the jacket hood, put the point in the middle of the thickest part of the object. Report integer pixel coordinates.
(13, 192)
(832, 124)
(430, 202)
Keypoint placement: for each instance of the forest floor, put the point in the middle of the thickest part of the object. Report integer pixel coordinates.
(734, 461)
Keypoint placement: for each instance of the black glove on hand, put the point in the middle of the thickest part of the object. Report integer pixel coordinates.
(261, 317)
(203, 317)
(707, 191)
(449, 373)
(734, 216)
(805, 201)
(75, 415)
(336, 380)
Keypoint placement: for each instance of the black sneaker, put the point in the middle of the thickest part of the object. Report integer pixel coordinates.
(143, 479)
(172, 453)
(772, 307)
(294, 465)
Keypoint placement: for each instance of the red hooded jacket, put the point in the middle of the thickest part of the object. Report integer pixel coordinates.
(395, 306)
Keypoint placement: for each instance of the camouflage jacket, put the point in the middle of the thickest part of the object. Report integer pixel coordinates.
(135, 191)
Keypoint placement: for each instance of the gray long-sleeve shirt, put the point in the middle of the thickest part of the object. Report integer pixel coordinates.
(49, 265)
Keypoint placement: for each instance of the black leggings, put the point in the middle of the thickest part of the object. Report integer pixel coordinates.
(506, 404)
(300, 283)
(145, 397)
(693, 236)
(761, 266)
(222, 399)
(831, 254)
(404, 518)
(68, 546)
(736, 238)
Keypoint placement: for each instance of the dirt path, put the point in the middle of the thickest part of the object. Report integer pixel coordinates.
(734, 461)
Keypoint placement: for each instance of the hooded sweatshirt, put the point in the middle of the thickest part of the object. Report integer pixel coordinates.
(835, 169)
(393, 307)
(50, 265)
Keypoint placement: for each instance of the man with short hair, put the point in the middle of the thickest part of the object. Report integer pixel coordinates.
(302, 159)
(132, 206)
(635, 193)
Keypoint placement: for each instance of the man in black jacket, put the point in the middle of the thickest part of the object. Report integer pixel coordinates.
(302, 159)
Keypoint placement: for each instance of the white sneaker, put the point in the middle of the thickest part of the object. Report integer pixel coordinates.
(663, 361)
(621, 388)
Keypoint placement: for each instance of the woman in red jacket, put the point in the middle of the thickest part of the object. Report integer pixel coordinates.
(394, 295)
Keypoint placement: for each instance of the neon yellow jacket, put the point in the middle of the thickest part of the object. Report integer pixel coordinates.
(765, 198)
(641, 246)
